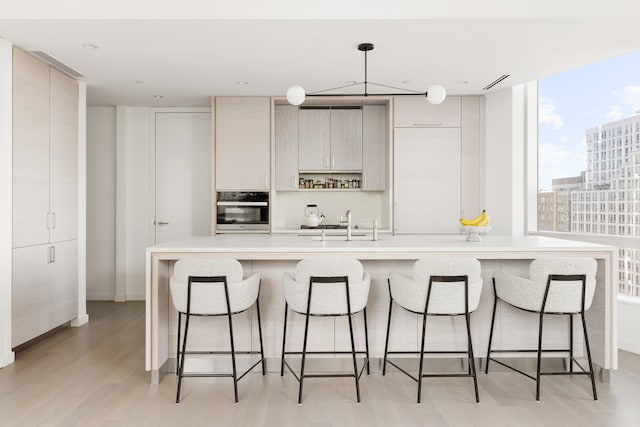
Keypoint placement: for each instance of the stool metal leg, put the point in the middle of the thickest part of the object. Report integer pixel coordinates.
(538, 369)
(284, 337)
(178, 344)
(571, 343)
(264, 363)
(493, 321)
(586, 341)
(233, 359)
(353, 355)
(424, 333)
(184, 350)
(304, 355)
(472, 362)
(386, 342)
(366, 339)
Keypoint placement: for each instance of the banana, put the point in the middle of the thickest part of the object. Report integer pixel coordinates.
(480, 220)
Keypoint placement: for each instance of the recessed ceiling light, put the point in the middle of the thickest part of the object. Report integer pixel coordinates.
(351, 82)
(89, 46)
(138, 82)
(158, 96)
(405, 82)
(242, 82)
(462, 82)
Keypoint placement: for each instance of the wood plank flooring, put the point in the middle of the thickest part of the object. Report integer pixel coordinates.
(94, 376)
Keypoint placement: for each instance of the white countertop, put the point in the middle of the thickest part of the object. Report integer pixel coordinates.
(298, 246)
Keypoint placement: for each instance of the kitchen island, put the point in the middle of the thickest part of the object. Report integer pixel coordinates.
(272, 255)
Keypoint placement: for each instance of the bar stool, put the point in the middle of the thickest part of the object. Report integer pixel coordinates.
(439, 287)
(213, 287)
(557, 286)
(326, 287)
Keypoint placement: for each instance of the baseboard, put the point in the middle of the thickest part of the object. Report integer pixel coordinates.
(629, 345)
(100, 296)
(80, 320)
(7, 359)
(136, 297)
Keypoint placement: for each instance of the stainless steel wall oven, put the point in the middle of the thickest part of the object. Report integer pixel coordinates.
(242, 212)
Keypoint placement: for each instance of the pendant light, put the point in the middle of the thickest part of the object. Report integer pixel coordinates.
(435, 94)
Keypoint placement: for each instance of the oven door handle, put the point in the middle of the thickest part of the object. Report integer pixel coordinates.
(243, 203)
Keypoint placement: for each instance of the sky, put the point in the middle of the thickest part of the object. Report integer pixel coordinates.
(569, 103)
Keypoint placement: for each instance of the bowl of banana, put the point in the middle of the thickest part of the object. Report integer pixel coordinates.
(475, 226)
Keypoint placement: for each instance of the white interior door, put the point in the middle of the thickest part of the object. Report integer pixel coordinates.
(183, 175)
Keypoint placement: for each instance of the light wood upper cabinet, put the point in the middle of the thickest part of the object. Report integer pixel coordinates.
(30, 150)
(330, 139)
(346, 139)
(286, 143)
(64, 157)
(314, 143)
(374, 135)
(242, 133)
(416, 111)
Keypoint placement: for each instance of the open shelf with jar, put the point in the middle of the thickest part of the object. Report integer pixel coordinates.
(331, 182)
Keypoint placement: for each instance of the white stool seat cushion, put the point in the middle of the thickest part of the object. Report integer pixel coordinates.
(446, 298)
(209, 298)
(563, 297)
(327, 298)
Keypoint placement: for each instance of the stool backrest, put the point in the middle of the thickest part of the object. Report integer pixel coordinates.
(328, 298)
(449, 297)
(565, 296)
(206, 298)
(328, 267)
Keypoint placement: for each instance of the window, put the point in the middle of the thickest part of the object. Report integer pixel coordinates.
(591, 136)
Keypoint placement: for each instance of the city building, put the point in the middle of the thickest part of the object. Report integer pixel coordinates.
(610, 201)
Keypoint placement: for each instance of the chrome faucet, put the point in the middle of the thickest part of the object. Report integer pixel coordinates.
(348, 225)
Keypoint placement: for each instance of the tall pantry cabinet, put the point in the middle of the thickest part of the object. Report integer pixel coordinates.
(45, 198)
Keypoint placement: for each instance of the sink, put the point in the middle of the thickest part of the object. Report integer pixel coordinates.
(344, 238)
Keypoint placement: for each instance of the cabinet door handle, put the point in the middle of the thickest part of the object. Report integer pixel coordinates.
(396, 217)
(53, 254)
(53, 217)
(295, 182)
(364, 181)
(50, 255)
(48, 220)
(326, 161)
(428, 124)
(333, 161)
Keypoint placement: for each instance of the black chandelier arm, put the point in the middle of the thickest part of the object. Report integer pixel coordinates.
(417, 92)
(367, 95)
(333, 88)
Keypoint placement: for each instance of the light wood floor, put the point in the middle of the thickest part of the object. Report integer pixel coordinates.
(94, 376)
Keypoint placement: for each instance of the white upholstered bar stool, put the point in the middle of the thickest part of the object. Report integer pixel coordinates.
(558, 286)
(213, 287)
(326, 287)
(438, 287)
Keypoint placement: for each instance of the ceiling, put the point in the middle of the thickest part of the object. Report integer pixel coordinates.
(186, 61)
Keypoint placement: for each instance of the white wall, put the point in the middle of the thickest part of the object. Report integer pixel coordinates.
(101, 203)
(365, 206)
(132, 201)
(504, 161)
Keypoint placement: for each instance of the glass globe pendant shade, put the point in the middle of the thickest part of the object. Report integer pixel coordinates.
(295, 95)
(435, 94)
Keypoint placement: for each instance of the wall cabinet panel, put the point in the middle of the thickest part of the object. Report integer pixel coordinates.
(45, 198)
(45, 289)
(242, 135)
(427, 180)
(415, 111)
(286, 142)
